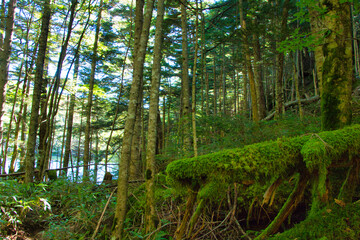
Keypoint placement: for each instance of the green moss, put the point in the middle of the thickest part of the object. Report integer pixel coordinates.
(329, 146)
(332, 223)
(262, 161)
(259, 162)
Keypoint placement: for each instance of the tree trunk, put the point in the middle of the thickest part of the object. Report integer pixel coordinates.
(150, 214)
(33, 126)
(254, 105)
(5, 52)
(193, 91)
(258, 75)
(12, 116)
(337, 69)
(136, 169)
(215, 88)
(279, 103)
(185, 92)
(90, 97)
(120, 211)
(70, 118)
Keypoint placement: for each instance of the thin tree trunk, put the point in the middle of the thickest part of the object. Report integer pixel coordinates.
(280, 109)
(254, 105)
(79, 148)
(33, 126)
(5, 52)
(258, 75)
(90, 97)
(12, 116)
(185, 91)
(150, 214)
(119, 96)
(193, 91)
(215, 88)
(135, 169)
(245, 90)
(296, 75)
(70, 118)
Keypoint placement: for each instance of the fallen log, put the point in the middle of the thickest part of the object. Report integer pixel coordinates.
(292, 103)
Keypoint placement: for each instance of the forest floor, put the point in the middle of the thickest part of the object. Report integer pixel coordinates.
(63, 209)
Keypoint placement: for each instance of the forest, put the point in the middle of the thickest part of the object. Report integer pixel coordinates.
(198, 119)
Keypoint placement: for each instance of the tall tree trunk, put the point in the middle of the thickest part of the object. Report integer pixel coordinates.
(12, 116)
(120, 211)
(245, 90)
(185, 90)
(215, 88)
(90, 97)
(296, 74)
(135, 169)
(280, 108)
(120, 88)
(254, 105)
(5, 52)
(33, 126)
(150, 214)
(193, 91)
(337, 67)
(70, 118)
(258, 74)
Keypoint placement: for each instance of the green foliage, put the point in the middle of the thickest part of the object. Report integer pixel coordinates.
(334, 223)
(58, 210)
(19, 202)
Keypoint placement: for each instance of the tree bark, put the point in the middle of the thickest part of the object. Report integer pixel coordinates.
(254, 105)
(258, 75)
(185, 90)
(90, 97)
(5, 52)
(337, 69)
(193, 91)
(150, 214)
(279, 90)
(33, 126)
(120, 211)
(70, 118)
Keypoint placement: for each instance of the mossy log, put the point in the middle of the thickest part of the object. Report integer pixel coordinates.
(261, 162)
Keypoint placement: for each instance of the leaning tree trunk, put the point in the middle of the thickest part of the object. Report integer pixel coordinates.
(33, 126)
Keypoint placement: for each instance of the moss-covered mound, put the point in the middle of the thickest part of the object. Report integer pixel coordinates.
(262, 161)
(334, 223)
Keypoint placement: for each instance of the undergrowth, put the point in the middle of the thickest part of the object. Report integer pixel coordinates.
(66, 210)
